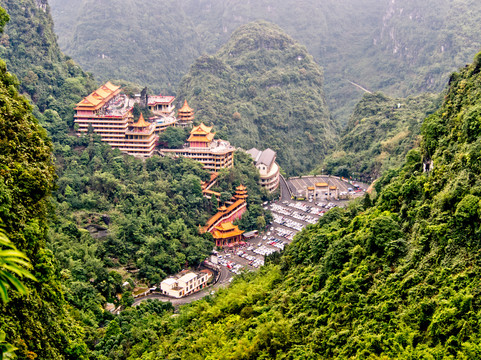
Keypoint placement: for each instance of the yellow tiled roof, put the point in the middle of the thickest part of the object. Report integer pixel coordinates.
(226, 230)
(201, 129)
(99, 96)
(141, 122)
(185, 108)
(201, 137)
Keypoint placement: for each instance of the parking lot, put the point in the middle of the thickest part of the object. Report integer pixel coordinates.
(290, 217)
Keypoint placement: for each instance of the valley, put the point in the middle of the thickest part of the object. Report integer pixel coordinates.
(289, 217)
(106, 191)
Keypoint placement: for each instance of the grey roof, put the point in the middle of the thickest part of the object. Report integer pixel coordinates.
(268, 156)
(254, 153)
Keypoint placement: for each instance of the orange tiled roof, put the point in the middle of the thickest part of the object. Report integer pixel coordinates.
(185, 108)
(321, 184)
(141, 122)
(201, 129)
(217, 216)
(332, 187)
(212, 192)
(201, 137)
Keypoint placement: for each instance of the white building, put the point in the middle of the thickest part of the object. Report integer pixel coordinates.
(265, 162)
(185, 285)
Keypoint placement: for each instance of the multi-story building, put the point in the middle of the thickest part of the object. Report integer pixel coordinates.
(185, 284)
(140, 139)
(161, 105)
(265, 162)
(109, 113)
(202, 147)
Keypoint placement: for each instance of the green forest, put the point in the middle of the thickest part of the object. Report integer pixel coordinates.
(394, 275)
(399, 48)
(256, 89)
(380, 133)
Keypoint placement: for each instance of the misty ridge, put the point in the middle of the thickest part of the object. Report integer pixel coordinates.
(399, 47)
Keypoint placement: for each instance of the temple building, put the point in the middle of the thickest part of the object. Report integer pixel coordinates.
(235, 210)
(265, 162)
(108, 112)
(161, 105)
(140, 138)
(185, 115)
(227, 234)
(202, 147)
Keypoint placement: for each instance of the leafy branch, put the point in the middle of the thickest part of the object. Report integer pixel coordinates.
(13, 265)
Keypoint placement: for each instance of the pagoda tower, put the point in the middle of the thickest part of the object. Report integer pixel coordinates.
(185, 115)
(241, 193)
(140, 138)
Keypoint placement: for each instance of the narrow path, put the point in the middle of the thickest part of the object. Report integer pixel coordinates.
(360, 87)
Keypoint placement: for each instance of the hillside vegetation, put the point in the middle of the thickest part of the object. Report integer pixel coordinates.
(379, 134)
(393, 277)
(401, 48)
(53, 82)
(263, 89)
(37, 324)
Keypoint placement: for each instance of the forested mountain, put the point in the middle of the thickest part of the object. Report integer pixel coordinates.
(54, 82)
(379, 134)
(392, 277)
(38, 324)
(401, 48)
(148, 211)
(263, 89)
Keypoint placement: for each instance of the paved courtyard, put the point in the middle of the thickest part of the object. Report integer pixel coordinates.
(298, 187)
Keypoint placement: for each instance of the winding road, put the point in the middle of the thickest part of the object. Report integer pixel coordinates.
(224, 277)
(223, 280)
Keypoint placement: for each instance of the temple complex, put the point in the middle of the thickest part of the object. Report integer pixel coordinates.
(202, 147)
(185, 115)
(109, 113)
